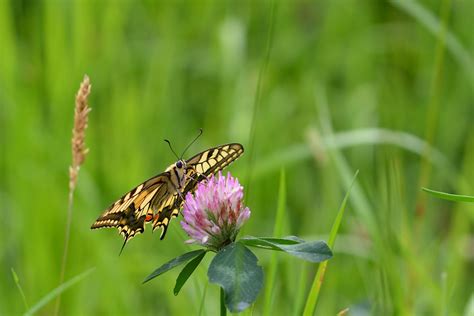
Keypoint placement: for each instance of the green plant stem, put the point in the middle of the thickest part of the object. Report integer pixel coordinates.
(66, 246)
(433, 105)
(222, 300)
(258, 95)
(203, 299)
(17, 282)
(444, 294)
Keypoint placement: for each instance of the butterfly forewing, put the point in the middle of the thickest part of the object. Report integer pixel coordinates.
(215, 159)
(160, 198)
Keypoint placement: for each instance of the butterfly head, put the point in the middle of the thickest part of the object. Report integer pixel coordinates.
(180, 164)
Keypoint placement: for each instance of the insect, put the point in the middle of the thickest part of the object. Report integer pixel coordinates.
(160, 198)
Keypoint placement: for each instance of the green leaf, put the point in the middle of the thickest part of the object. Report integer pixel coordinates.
(55, 292)
(187, 271)
(173, 263)
(449, 196)
(313, 251)
(235, 269)
(270, 242)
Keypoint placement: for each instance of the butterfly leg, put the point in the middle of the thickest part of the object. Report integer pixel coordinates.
(200, 175)
(182, 199)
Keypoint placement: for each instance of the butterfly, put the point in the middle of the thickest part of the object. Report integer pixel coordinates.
(159, 199)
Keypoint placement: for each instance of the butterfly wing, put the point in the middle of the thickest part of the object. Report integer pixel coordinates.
(129, 213)
(198, 168)
(214, 159)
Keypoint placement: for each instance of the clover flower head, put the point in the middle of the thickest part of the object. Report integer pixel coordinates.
(214, 214)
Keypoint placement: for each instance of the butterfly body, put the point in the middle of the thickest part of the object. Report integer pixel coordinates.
(177, 174)
(160, 198)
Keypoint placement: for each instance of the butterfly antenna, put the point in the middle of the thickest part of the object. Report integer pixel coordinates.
(200, 133)
(169, 144)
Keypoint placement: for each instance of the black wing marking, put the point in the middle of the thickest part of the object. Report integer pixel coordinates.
(209, 162)
(130, 212)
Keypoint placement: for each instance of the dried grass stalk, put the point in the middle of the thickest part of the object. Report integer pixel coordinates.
(79, 152)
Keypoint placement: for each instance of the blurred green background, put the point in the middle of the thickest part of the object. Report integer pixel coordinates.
(383, 87)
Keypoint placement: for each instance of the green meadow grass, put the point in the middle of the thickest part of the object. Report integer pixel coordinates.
(314, 90)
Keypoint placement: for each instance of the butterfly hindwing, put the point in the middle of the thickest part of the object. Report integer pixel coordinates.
(130, 212)
(160, 198)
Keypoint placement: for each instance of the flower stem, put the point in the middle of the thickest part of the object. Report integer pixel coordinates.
(223, 309)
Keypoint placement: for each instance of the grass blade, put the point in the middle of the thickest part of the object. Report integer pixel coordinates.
(258, 96)
(294, 154)
(450, 196)
(318, 279)
(17, 282)
(277, 231)
(57, 291)
(203, 300)
(429, 21)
